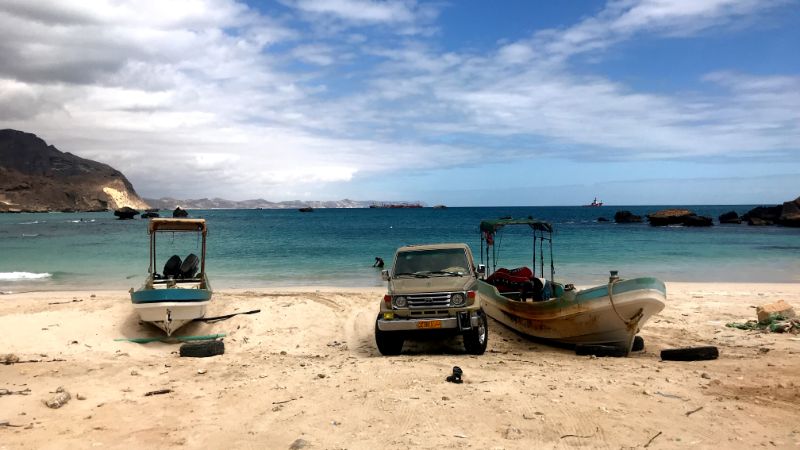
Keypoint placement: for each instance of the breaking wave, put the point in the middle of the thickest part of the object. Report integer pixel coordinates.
(14, 276)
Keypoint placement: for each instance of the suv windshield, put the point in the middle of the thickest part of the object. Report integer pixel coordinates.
(440, 262)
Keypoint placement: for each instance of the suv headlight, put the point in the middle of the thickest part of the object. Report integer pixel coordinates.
(457, 299)
(400, 302)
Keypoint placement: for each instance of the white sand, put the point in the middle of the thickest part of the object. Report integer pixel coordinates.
(307, 367)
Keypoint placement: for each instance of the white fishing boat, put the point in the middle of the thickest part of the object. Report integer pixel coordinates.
(180, 293)
(609, 314)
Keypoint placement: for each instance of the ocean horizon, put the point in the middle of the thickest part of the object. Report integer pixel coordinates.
(336, 247)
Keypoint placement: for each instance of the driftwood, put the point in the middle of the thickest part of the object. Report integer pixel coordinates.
(5, 423)
(4, 391)
(64, 303)
(284, 401)
(652, 439)
(8, 363)
(689, 413)
(158, 392)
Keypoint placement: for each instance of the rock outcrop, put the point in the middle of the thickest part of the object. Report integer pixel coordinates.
(698, 221)
(126, 213)
(669, 217)
(730, 217)
(790, 213)
(678, 217)
(180, 213)
(763, 215)
(38, 177)
(626, 217)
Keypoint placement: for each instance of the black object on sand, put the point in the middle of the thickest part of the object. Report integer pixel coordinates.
(456, 376)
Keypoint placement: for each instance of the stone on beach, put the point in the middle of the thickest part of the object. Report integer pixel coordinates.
(766, 313)
(60, 399)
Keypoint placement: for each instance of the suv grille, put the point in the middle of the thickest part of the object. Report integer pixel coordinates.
(428, 300)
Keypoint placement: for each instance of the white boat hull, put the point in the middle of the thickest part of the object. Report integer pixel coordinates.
(169, 316)
(573, 321)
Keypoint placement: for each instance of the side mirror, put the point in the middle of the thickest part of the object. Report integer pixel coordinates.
(481, 269)
(385, 275)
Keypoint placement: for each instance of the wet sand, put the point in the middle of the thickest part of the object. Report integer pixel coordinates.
(306, 367)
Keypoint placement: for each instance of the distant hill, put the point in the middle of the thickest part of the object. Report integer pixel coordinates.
(220, 203)
(38, 177)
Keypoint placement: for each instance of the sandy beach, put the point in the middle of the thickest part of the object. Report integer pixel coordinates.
(306, 367)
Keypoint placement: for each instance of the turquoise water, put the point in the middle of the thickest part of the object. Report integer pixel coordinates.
(251, 248)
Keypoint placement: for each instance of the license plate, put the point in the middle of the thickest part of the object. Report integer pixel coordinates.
(430, 324)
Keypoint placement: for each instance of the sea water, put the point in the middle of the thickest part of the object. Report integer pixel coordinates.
(337, 247)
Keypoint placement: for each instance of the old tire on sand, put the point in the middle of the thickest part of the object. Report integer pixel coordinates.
(690, 353)
(202, 349)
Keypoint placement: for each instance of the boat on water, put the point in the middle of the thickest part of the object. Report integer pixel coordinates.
(594, 203)
(609, 314)
(179, 294)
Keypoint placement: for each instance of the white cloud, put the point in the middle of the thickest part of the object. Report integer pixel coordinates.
(360, 10)
(193, 98)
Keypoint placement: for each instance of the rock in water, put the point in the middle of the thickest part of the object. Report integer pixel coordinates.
(669, 217)
(763, 215)
(698, 221)
(626, 217)
(38, 177)
(730, 217)
(180, 213)
(126, 213)
(790, 213)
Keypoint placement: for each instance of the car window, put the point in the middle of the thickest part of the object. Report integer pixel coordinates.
(432, 261)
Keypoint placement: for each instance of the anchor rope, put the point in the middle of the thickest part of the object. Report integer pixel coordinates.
(628, 322)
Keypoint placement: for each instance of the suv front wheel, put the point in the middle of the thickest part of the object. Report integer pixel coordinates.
(476, 339)
(389, 343)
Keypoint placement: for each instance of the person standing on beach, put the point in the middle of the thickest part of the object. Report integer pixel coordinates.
(378, 262)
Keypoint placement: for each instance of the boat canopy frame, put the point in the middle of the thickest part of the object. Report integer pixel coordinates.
(166, 225)
(541, 231)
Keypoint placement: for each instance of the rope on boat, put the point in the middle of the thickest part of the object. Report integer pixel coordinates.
(629, 323)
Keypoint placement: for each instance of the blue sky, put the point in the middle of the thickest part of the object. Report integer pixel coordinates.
(461, 102)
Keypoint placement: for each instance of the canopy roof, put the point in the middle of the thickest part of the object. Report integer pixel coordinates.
(492, 226)
(159, 224)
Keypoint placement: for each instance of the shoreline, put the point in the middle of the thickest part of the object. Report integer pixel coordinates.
(298, 288)
(306, 367)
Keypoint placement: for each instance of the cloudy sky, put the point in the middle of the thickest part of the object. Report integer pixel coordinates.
(467, 102)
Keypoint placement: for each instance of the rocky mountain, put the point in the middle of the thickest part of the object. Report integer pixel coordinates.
(220, 203)
(37, 177)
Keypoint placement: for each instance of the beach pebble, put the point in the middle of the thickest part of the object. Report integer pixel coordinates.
(512, 433)
(201, 371)
(80, 396)
(321, 375)
(298, 444)
(60, 399)
(706, 376)
(134, 372)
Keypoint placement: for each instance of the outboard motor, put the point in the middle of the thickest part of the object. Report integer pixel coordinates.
(189, 266)
(173, 267)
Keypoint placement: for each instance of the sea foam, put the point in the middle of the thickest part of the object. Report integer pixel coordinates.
(13, 276)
